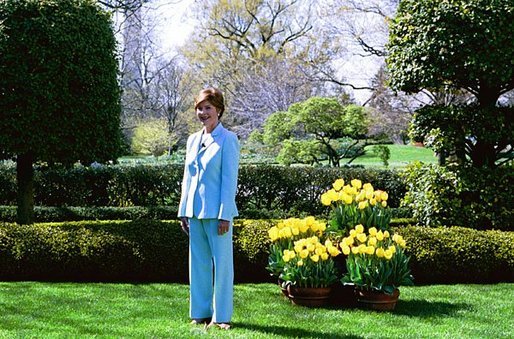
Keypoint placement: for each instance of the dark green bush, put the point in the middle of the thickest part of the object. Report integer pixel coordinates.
(469, 197)
(438, 255)
(141, 250)
(459, 255)
(263, 192)
(60, 214)
(146, 250)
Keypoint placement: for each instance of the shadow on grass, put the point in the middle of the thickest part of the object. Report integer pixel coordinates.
(424, 309)
(291, 332)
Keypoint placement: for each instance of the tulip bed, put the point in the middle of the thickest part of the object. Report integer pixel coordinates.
(85, 310)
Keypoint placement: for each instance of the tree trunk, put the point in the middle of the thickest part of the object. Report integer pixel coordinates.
(484, 153)
(25, 180)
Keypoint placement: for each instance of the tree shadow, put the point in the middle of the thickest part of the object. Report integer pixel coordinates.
(424, 309)
(291, 332)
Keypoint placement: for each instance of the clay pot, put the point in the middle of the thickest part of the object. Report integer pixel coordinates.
(377, 301)
(309, 296)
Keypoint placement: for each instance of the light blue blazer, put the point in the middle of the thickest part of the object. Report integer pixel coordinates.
(210, 176)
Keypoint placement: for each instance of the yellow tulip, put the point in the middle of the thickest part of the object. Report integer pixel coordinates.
(392, 248)
(370, 250)
(384, 203)
(338, 184)
(372, 231)
(333, 251)
(303, 227)
(369, 195)
(315, 258)
(349, 241)
(322, 226)
(363, 205)
(388, 254)
(359, 229)
(361, 237)
(384, 196)
(347, 199)
(361, 196)
(380, 252)
(300, 262)
(367, 186)
(273, 233)
(386, 234)
(372, 202)
(324, 256)
(380, 235)
(295, 230)
(319, 251)
(378, 195)
(287, 232)
(372, 241)
(346, 249)
(353, 233)
(356, 183)
(328, 243)
(325, 199)
(355, 250)
(362, 249)
(304, 254)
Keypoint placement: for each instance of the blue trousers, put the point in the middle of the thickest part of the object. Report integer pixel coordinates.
(211, 271)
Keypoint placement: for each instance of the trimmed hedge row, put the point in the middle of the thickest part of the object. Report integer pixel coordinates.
(61, 214)
(263, 191)
(146, 250)
(71, 213)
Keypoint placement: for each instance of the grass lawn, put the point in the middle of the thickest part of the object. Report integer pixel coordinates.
(401, 155)
(43, 310)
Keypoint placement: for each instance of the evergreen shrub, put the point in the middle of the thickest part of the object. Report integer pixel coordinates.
(479, 198)
(145, 250)
(263, 192)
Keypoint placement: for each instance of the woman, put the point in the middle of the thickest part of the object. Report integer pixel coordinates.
(207, 207)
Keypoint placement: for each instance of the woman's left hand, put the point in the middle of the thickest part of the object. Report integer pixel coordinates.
(223, 226)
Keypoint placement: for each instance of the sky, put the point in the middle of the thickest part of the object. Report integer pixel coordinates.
(176, 23)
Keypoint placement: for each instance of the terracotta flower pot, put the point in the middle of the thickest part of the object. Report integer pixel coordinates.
(309, 296)
(378, 301)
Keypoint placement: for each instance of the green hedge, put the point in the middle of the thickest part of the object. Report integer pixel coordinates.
(134, 251)
(263, 191)
(61, 214)
(71, 213)
(438, 255)
(146, 250)
(459, 254)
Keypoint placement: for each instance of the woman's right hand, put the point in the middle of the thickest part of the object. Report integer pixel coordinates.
(184, 224)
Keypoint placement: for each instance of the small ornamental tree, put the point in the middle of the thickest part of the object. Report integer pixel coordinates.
(59, 96)
(313, 130)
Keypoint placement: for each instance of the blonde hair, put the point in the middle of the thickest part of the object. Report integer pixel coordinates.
(214, 96)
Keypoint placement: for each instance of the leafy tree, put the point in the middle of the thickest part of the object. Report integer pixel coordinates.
(151, 137)
(59, 96)
(315, 125)
(465, 44)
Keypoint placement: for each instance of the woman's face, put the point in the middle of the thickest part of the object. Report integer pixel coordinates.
(207, 114)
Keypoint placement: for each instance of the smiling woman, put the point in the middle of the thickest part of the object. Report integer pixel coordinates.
(206, 209)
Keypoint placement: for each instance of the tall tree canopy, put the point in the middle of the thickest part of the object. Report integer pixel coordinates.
(460, 43)
(464, 45)
(59, 95)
